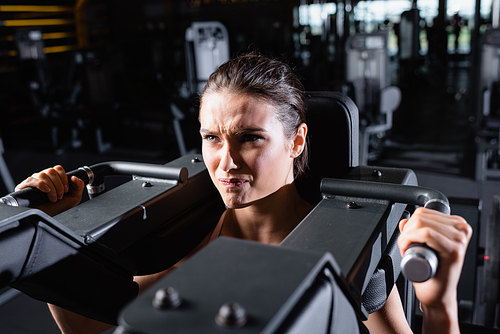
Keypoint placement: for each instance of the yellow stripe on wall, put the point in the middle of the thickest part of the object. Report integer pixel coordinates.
(51, 9)
(57, 35)
(60, 48)
(42, 22)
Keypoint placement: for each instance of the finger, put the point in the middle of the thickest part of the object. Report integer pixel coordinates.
(450, 228)
(446, 247)
(59, 179)
(454, 227)
(52, 178)
(63, 177)
(402, 224)
(34, 183)
(438, 236)
(77, 185)
(431, 218)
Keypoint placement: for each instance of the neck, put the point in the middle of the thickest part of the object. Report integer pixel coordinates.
(270, 219)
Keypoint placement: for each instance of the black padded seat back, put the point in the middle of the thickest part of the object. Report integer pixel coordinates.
(333, 123)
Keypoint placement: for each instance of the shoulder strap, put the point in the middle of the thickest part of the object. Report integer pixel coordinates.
(216, 231)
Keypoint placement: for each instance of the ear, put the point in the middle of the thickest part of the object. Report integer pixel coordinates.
(299, 142)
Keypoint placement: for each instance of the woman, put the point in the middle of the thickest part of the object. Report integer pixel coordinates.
(252, 117)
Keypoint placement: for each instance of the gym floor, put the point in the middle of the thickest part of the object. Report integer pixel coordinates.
(433, 135)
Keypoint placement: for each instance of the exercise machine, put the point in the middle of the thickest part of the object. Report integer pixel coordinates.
(368, 71)
(488, 107)
(339, 264)
(206, 48)
(7, 179)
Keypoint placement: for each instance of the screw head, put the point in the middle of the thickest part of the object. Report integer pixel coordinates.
(167, 298)
(231, 315)
(376, 173)
(352, 205)
(195, 160)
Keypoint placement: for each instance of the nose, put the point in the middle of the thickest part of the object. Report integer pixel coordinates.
(228, 159)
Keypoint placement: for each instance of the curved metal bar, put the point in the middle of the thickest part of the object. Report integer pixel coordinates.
(94, 176)
(394, 192)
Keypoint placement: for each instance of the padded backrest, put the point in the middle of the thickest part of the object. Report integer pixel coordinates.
(333, 123)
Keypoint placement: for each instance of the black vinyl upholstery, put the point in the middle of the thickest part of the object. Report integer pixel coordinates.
(333, 124)
(48, 262)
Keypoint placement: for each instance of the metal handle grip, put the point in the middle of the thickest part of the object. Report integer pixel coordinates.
(420, 262)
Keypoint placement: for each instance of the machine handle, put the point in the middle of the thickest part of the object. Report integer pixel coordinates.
(33, 197)
(419, 261)
(94, 176)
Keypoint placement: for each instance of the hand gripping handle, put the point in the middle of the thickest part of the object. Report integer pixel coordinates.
(420, 262)
(94, 176)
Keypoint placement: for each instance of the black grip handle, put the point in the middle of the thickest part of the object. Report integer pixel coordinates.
(33, 197)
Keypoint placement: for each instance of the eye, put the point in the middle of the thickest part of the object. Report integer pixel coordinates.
(210, 138)
(250, 137)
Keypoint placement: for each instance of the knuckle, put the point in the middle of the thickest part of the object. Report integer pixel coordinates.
(419, 223)
(427, 232)
(51, 172)
(464, 240)
(462, 225)
(460, 250)
(30, 179)
(469, 231)
(58, 168)
(459, 237)
(418, 212)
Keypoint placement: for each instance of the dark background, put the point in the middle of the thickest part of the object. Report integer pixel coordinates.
(133, 66)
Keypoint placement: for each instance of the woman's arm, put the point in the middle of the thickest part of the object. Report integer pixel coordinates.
(73, 323)
(449, 237)
(390, 318)
(54, 182)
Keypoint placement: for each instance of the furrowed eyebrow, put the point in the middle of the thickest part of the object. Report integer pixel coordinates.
(249, 130)
(206, 132)
(237, 133)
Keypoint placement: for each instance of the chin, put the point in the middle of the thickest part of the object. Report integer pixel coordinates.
(235, 202)
(235, 205)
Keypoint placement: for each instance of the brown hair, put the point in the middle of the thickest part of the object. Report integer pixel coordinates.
(269, 79)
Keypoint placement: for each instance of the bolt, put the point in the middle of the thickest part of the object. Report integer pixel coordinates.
(352, 205)
(231, 315)
(195, 160)
(167, 298)
(376, 173)
(147, 185)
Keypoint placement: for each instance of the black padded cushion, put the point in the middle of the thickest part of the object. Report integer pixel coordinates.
(333, 123)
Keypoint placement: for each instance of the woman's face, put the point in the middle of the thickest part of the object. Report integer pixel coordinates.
(244, 147)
